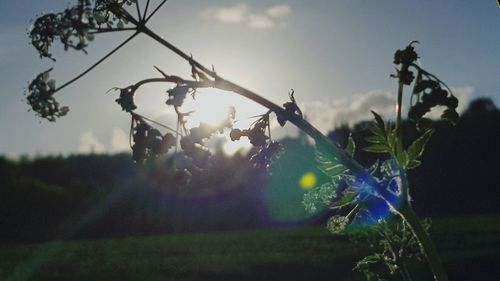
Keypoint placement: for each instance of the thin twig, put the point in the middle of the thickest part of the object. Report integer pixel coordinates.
(128, 16)
(138, 10)
(430, 75)
(155, 10)
(145, 10)
(180, 53)
(97, 63)
(152, 121)
(112, 30)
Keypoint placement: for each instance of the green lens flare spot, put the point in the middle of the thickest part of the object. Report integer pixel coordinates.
(308, 181)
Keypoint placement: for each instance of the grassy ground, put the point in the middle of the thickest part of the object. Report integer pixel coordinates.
(470, 247)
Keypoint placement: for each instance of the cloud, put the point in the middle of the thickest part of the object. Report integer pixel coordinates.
(328, 114)
(119, 141)
(463, 95)
(245, 15)
(90, 144)
(258, 21)
(234, 14)
(279, 11)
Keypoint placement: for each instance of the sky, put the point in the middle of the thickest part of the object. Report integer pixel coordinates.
(335, 54)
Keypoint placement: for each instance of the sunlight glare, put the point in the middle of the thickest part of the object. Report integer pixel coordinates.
(212, 105)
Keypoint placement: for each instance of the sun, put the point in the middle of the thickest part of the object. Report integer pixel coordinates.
(212, 105)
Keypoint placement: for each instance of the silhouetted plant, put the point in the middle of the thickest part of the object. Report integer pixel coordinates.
(362, 196)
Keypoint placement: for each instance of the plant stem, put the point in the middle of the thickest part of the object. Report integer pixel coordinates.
(398, 107)
(155, 10)
(425, 242)
(176, 50)
(146, 10)
(399, 130)
(139, 16)
(301, 123)
(97, 63)
(405, 211)
(404, 271)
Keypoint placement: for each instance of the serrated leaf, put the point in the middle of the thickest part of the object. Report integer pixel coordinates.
(332, 170)
(351, 146)
(376, 130)
(416, 149)
(380, 121)
(347, 197)
(377, 148)
(413, 164)
(329, 164)
(388, 127)
(402, 157)
(375, 139)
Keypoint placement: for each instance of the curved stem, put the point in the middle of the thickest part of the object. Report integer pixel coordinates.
(139, 116)
(425, 242)
(428, 74)
(301, 123)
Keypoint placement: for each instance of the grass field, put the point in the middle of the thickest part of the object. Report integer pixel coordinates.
(470, 247)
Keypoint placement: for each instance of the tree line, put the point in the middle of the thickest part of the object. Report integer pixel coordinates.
(89, 196)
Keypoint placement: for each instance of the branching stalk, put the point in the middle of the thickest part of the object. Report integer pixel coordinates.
(405, 211)
(97, 63)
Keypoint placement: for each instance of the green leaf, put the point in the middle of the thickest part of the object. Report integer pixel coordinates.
(413, 164)
(380, 122)
(402, 157)
(377, 148)
(417, 147)
(348, 197)
(375, 139)
(332, 170)
(329, 164)
(388, 127)
(351, 146)
(376, 131)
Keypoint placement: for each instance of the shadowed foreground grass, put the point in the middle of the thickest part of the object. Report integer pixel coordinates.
(470, 248)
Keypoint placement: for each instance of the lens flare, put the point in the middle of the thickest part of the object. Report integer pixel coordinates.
(376, 209)
(291, 176)
(308, 181)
